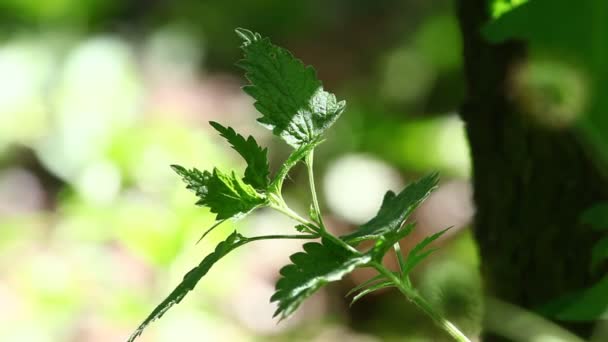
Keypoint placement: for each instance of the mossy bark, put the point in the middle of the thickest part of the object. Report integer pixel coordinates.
(531, 182)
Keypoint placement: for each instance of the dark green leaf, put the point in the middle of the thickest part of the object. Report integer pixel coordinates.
(256, 173)
(599, 253)
(225, 194)
(191, 279)
(417, 254)
(395, 209)
(597, 216)
(288, 94)
(319, 264)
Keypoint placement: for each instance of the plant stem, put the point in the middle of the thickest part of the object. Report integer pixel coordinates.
(280, 206)
(311, 180)
(276, 237)
(413, 296)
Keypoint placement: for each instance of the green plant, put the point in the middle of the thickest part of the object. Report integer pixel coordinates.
(295, 107)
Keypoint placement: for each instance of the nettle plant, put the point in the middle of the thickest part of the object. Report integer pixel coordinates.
(296, 108)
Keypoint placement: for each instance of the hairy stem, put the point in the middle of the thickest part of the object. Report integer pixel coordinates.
(413, 296)
(311, 180)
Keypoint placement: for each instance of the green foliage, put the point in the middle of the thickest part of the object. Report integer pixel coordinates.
(225, 194)
(599, 253)
(256, 173)
(191, 279)
(395, 209)
(319, 264)
(570, 32)
(597, 216)
(287, 93)
(585, 305)
(297, 109)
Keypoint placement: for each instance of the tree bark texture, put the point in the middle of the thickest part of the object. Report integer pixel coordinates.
(531, 182)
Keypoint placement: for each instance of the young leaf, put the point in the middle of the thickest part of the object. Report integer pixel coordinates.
(416, 255)
(288, 94)
(371, 289)
(395, 209)
(225, 194)
(367, 283)
(319, 264)
(312, 213)
(256, 173)
(191, 279)
(386, 241)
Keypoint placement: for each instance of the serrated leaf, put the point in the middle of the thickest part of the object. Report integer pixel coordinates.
(395, 209)
(287, 93)
(417, 254)
(319, 264)
(371, 289)
(257, 171)
(224, 194)
(192, 278)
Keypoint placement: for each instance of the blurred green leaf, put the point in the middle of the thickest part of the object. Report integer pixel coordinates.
(597, 216)
(599, 253)
(586, 305)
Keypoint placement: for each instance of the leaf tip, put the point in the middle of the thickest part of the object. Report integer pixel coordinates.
(247, 36)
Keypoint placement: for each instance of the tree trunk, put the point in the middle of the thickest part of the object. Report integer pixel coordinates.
(531, 182)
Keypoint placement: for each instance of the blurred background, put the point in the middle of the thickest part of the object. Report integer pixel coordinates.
(98, 98)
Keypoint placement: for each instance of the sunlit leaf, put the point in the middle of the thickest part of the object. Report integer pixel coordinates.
(317, 265)
(288, 94)
(395, 209)
(225, 194)
(256, 173)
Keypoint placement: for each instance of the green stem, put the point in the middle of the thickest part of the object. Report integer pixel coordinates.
(413, 296)
(279, 205)
(311, 180)
(401, 261)
(276, 237)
